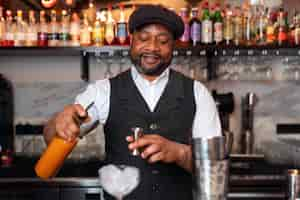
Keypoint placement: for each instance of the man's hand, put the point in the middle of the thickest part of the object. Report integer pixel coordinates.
(66, 124)
(157, 148)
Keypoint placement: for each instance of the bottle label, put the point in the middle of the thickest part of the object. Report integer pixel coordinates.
(122, 30)
(109, 33)
(75, 37)
(228, 30)
(53, 36)
(85, 38)
(282, 36)
(270, 34)
(218, 32)
(297, 36)
(20, 36)
(32, 37)
(42, 36)
(238, 32)
(64, 36)
(207, 31)
(195, 32)
(97, 35)
(9, 36)
(186, 34)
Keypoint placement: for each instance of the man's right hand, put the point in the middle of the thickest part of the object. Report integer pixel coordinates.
(67, 123)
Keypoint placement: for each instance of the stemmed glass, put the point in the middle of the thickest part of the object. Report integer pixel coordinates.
(124, 62)
(223, 71)
(108, 73)
(119, 180)
(287, 70)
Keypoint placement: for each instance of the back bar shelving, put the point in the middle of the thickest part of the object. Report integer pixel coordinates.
(211, 52)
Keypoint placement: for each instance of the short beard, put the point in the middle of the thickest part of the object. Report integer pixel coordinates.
(154, 71)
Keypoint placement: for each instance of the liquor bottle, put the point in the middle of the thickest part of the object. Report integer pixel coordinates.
(292, 28)
(282, 37)
(228, 26)
(109, 27)
(2, 27)
(249, 28)
(270, 29)
(122, 32)
(218, 25)
(75, 30)
(32, 31)
(91, 12)
(195, 27)
(133, 8)
(98, 31)
(20, 30)
(53, 32)
(206, 36)
(54, 156)
(43, 30)
(297, 30)
(262, 24)
(10, 29)
(85, 31)
(238, 27)
(57, 151)
(64, 33)
(184, 40)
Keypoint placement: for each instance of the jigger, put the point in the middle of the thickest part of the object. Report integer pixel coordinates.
(137, 132)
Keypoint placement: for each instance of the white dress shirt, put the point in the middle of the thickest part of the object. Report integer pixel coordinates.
(206, 121)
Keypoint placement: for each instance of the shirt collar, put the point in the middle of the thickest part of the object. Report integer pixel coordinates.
(136, 76)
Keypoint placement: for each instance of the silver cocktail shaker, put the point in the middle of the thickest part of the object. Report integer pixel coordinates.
(211, 168)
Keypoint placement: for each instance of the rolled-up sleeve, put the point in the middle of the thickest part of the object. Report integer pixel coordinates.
(99, 92)
(206, 120)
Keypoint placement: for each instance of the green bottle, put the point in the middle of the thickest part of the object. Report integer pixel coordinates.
(206, 25)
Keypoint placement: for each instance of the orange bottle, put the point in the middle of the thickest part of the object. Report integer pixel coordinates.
(53, 157)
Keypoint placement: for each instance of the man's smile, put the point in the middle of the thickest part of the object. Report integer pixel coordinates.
(150, 59)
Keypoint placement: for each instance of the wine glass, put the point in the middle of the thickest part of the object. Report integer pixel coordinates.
(108, 73)
(119, 180)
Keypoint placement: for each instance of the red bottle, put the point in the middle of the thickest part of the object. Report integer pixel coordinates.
(43, 30)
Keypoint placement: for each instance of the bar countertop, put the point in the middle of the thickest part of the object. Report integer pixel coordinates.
(54, 182)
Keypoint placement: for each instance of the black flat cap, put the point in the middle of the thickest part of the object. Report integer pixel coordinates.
(156, 14)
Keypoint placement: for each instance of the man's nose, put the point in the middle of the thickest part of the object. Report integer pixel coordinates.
(153, 45)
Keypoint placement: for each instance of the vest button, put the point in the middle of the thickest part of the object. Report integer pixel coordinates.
(153, 126)
(155, 172)
(155, 187)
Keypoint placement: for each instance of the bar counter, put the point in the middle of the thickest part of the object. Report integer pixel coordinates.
(250, 178)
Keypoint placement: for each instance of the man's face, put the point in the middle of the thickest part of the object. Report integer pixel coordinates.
(151, 49)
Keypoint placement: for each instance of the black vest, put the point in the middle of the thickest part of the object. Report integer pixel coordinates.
(172, 118)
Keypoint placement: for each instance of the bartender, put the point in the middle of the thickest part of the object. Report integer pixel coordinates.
(170, 108)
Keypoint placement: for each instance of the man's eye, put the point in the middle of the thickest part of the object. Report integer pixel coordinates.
(163, 39)
(143, 37)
